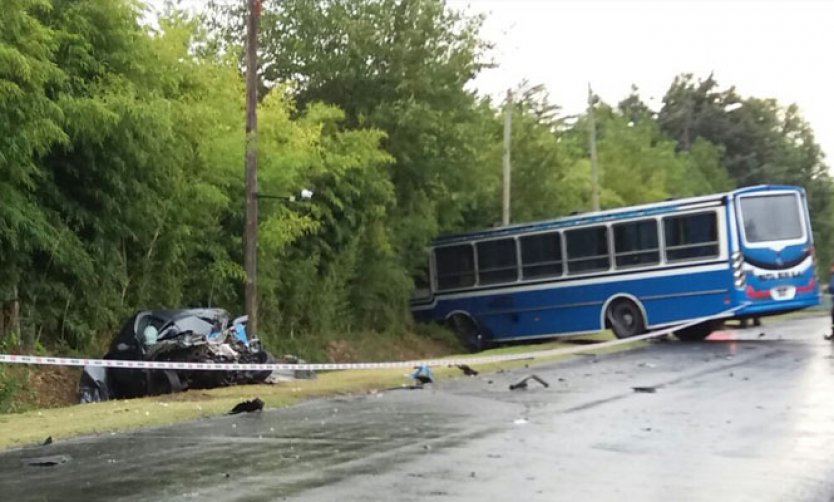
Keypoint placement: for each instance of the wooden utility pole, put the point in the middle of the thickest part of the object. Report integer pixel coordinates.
(508, 125)
(250, 238)
(592, 139)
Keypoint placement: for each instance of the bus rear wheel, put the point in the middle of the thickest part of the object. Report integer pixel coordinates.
(625, 319)
(467, 332)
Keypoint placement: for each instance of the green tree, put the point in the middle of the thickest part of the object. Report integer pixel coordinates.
(762, 142)
(30, 124)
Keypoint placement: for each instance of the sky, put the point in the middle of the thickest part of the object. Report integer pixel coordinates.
(765, 49)
(778, 49)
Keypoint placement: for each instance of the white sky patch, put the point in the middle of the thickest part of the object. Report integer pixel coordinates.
(765, 49)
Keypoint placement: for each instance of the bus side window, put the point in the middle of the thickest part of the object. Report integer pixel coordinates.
(691, 236)
(635, 243)
(455, 267)
(497, 261)
(541, 255)
(587, 250)
(422, 284)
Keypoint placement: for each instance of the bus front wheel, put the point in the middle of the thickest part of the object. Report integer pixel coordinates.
(467, 332)
(625, 319)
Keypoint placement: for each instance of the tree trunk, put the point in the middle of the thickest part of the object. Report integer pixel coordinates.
(14, 318)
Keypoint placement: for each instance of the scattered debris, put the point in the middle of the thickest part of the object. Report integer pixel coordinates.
(472, 474)
(47, 461)
(520, 421)
(48, 441)
(647, 390)
(422, 375)
(646, 365)
(489, 382)
(562, 379)
(468, 371)
(828, 336)
(522, 384)
(248, 406)
(761, 334)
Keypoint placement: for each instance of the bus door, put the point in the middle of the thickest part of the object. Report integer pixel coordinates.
(497, 264)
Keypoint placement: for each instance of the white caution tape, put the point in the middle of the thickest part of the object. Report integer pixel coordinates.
(176, 365)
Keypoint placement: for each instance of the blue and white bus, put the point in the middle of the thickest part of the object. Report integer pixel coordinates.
(631, 269)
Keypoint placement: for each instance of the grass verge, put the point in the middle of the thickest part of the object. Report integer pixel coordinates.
(33, 427)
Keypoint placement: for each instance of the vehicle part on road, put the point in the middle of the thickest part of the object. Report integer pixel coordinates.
(522, 385)
(467, 370)
(625, 318)
(646, 390)
(422, 374)
(697, 332)
(248, 406)
(47, 461)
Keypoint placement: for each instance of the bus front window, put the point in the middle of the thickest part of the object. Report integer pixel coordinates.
(769, 218)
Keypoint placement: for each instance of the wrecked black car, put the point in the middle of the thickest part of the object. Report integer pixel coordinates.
(192, 335)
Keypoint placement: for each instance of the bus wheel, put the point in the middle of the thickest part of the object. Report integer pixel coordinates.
(696, 333)
(625, 319)
(467, 332)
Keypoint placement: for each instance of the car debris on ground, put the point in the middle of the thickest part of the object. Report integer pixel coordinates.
(422, 375)
(467, 370)
(47, 461)
(191, 336)
(522, 384)
(248, 406)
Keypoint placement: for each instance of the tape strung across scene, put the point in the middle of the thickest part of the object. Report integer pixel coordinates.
(472, 360)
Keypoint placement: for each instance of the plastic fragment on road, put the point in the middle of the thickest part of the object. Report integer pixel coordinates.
(47, 461)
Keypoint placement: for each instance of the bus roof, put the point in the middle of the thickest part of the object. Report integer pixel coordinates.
(607, 215)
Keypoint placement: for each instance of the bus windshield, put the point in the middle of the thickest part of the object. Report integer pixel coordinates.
(770, 218)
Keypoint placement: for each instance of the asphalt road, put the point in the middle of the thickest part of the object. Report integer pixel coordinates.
(747, 417)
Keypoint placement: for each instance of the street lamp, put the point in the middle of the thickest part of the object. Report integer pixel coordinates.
(304, 194)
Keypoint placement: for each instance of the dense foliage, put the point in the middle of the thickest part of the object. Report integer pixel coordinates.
(121, 160)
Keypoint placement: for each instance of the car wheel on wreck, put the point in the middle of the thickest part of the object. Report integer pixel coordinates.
(164, 382)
